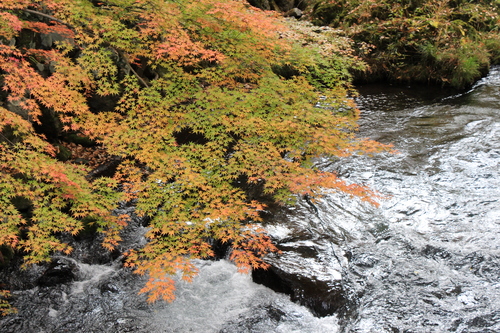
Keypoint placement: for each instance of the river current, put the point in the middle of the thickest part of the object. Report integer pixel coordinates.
(433, 262)
(426, 260)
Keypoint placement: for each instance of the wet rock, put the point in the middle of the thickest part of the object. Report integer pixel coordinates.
(60, 270)
(87, 245)
(435, 252)
(365, 260)
(310, 272)
(50, 39)
(12, 277)
(323, 298)
(485, 321)
(481, 265)
(17, 107)
(109, 287)
(258, 320)
(313, 260)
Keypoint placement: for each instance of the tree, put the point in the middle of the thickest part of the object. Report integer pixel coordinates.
(201, 100)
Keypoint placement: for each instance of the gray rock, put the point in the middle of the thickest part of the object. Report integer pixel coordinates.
(294, 12)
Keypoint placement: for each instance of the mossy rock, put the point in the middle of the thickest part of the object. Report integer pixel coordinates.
(423, 41)
(64, 153)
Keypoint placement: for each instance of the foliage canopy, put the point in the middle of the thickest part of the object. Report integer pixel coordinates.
(197, 101)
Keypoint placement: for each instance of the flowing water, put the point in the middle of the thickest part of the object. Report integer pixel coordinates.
(426, 260)
(433, 264)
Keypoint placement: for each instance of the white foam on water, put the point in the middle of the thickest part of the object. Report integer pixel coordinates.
(220, 298)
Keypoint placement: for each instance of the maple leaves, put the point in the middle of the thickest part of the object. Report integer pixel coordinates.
(57, 195)
(201, 110)
(5, 307)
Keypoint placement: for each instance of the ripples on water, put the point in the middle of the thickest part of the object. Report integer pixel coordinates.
(437, 267)
(426, 260)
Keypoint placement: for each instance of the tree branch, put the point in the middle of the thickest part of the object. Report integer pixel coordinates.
(50, 17)
(120, 54)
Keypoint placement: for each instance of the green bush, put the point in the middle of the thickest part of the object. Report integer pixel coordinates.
(446, 42)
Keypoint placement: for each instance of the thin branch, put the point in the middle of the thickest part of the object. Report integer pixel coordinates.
(121, 54)
(137, 75)
(7, 140)
(50, 17)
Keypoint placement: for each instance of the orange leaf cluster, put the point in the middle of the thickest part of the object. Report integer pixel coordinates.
(208, 110)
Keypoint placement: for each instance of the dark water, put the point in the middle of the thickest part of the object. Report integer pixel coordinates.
(426, 260)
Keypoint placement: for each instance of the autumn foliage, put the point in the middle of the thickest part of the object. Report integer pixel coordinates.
(449, 42)
(203, 100)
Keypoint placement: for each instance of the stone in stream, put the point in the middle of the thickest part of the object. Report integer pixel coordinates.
(309, 268)
(60, 270)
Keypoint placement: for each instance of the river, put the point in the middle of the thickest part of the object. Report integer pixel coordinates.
(433, 262)
(426, 260)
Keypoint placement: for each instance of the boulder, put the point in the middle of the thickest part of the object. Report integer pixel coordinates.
(60, 270)
(312, 262)
(310, 272)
